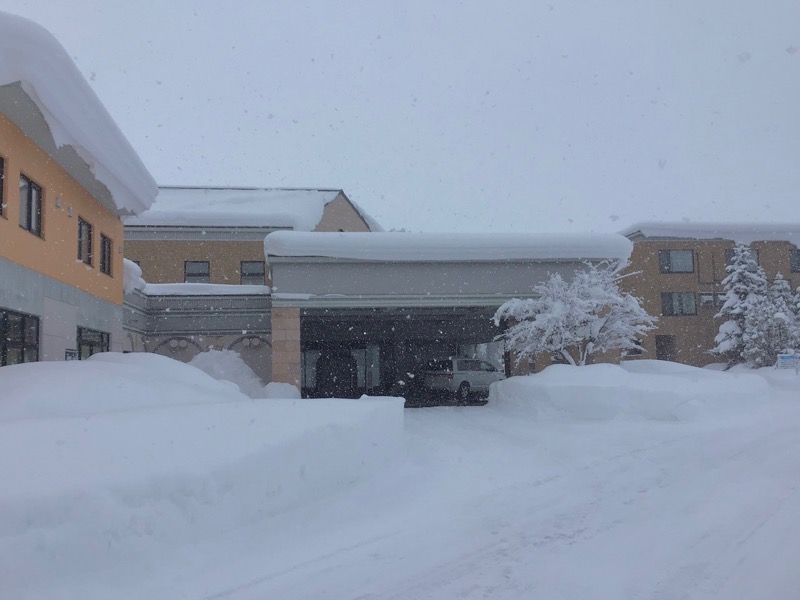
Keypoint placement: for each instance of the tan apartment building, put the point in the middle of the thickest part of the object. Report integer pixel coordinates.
(67, 175)
(679, 271)
(216, 235)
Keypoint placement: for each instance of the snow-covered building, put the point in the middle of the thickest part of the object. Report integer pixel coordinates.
(388, 303)
(67, 176)
(216, 235)
(201, 251)
(679, 271)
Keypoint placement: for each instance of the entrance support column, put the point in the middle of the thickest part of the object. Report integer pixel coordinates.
(286, 345)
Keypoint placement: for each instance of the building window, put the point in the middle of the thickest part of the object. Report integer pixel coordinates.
(795, 260)
(676, 261)
(196, 271)
(19, 338)
(729, 255)
(2, 183)
(91, 342)
(678, 304)
(105, 254)
(84, 242)
(252, 272)
(709, 299)
(30, 200)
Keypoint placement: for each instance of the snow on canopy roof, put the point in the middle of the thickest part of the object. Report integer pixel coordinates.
(402, 246)
(744, 233)
(299, 209)
(30, 55)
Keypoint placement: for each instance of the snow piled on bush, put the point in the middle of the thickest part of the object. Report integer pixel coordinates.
(227, 365)
(641, 389)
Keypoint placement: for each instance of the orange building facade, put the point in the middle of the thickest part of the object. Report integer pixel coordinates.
(61, 236)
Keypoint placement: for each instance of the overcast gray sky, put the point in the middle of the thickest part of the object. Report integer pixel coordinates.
(554, 115)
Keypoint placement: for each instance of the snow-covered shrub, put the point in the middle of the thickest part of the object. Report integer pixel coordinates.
(575, 319)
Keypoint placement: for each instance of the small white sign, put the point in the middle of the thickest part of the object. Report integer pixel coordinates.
(787, 361)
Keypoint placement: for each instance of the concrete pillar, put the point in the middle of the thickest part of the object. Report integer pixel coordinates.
(286, 345)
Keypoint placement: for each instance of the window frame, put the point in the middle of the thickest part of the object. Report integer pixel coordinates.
(2, 182)
(667, 265)
(794, 260)
(35, 226)
(242, 273)
(106, 254)
(84, 227)
(29, 348)
(667, 300)
(729, 256)
(95, 346)
(206, 275)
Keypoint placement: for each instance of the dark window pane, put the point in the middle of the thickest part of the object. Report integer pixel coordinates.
(676, 261)
(24, 203)
(14, 333)
(678, 303)
(91, 342)
(105, 254)
(84, 241)
(13, 356)
(197, 271)
(2, 182)
(30, 205)
(19, 338)
(252, 272)
(795, 260)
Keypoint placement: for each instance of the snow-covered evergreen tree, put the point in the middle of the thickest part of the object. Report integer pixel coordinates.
(575, 320)
(758, 348)
(785, 332)
(746, 281)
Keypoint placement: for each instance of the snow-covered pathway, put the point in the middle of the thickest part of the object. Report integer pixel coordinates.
(647, 481)
(601, 510)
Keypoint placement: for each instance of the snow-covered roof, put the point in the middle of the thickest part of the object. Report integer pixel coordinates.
(202, 289)
(401, 246)
(744, 233)
(31, 56)
(299, 209)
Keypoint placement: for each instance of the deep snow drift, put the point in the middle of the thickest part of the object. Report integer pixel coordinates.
(650, 480)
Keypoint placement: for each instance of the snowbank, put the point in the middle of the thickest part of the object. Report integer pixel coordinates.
(227, 365)
(86, 486)
(107, 382)
(642, 389)
(276, 389)
(401, 246)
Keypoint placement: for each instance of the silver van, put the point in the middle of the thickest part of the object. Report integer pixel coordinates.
(460, 378)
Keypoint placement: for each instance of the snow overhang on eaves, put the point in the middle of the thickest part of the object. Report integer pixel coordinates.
(447, 247)
(225, 207)
(35, 67)
(745, 233)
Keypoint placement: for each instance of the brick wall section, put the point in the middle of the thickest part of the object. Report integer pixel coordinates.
(286, 345)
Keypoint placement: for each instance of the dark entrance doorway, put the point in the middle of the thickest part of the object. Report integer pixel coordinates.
(383, 351)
